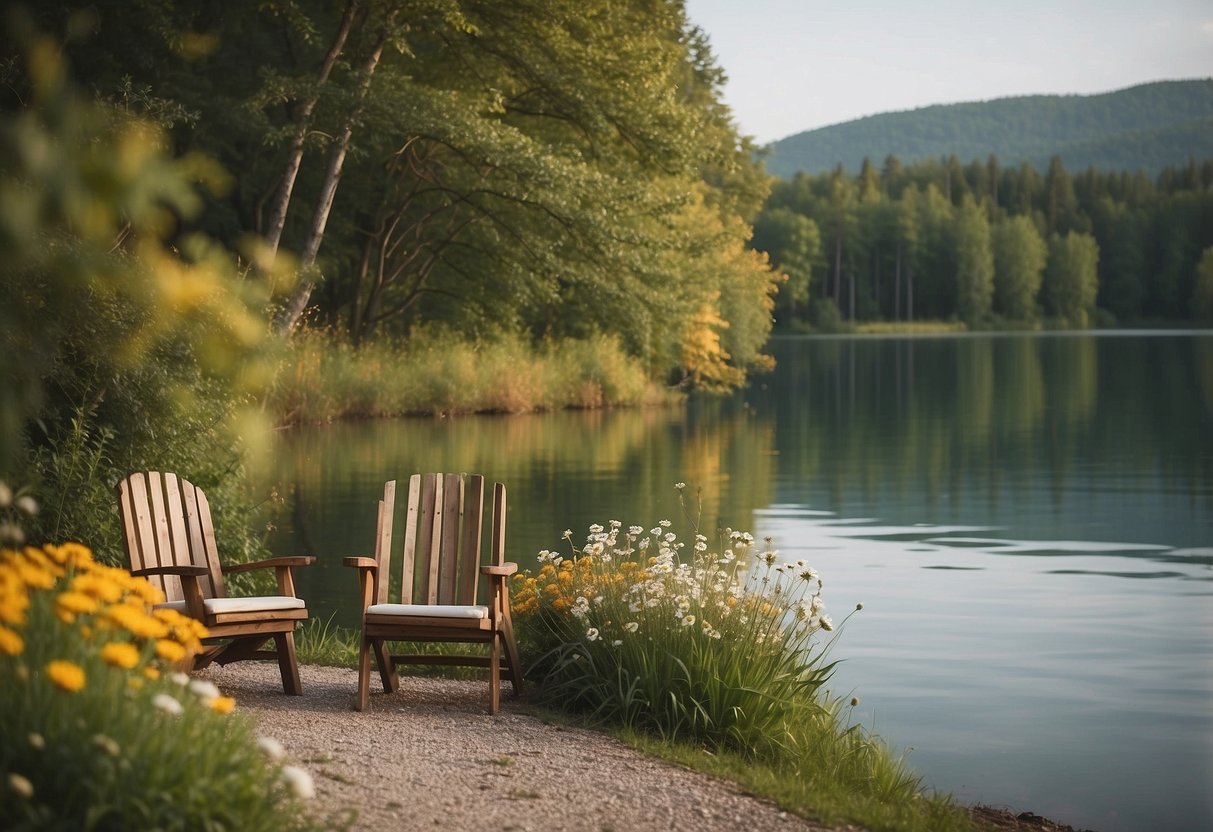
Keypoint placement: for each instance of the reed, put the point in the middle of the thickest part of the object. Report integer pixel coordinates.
(322, 378)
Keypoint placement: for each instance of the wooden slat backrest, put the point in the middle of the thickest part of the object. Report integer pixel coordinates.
(497, 545)
(443, 525)
(411, 520)
(469, 546)
(166, 522)
(209, 557)
(448, 551)
(383, 541)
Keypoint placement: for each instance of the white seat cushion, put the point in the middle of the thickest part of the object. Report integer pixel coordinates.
(257, 603)
(430, 610)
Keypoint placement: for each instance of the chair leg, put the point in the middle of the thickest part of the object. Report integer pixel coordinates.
(387, 670)
(288, 665)
(495, 674)
(511, 654)
(364, 675)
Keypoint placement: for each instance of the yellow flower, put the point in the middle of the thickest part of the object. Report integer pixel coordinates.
(66, 675)
(76, 602)
(96, 586)
(136, 621)
(151, 672)
(121, 654)
(11, 642)
(169, 650)
(222, 704)
(70, 555)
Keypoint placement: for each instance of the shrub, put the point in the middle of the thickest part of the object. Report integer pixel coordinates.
(97, 733)
(634, 629)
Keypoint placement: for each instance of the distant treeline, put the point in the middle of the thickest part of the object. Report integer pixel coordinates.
(990, 245)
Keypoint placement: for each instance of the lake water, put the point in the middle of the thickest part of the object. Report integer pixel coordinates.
(1027, 520)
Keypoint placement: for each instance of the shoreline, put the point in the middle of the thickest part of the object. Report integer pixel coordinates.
(430, 756)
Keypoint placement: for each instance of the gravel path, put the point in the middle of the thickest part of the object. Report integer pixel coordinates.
(430, 756)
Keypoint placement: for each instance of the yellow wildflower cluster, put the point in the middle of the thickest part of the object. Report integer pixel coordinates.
(106, 607)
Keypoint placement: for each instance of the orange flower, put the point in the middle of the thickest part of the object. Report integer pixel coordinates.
(121, 654)
(66, 675)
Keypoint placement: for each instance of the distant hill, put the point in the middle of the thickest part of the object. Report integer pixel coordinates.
(1146, 127)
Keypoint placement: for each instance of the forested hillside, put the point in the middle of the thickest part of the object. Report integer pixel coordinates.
(1143, 128)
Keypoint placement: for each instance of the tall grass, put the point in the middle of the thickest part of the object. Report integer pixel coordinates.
(323, 378)
(717, 646)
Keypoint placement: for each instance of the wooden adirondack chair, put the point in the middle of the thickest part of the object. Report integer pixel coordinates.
(439, 569)
(170, 539)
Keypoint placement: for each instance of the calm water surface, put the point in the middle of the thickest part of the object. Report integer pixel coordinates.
(1027, 520)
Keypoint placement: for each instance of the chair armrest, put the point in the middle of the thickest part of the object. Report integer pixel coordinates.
(189, 576)
(505, 570)
(368, 578)
(179, 571)
(281, 567)
(268, 563)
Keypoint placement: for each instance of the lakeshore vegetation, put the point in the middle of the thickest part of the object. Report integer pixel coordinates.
(214, 224)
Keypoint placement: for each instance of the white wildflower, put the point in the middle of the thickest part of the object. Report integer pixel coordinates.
(271, 748)
(591, 634)
(680, 485)
(204, 689)
(27, 504)
(179, 678)
(595, 528)
(635, 531)
(631, 626)
(826, 623)
(688, 620)
(168, 704)
(299, 782)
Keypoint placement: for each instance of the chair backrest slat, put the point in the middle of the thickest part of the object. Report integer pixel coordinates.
(383, 540)
(411, 522)
(448, 553)
(498, 543)
(210, 554)
(469, 544)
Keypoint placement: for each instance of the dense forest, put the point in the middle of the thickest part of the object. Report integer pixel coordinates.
(1144, 128)
(557, 169)
(187, 194)
(991, 245)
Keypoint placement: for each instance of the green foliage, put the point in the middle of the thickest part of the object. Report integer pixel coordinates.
(974, 263)
(122, 344)
(556, 168)
(323, 378)
(1071, 279)
(1019, 262)
(93, 735)
(1146, 127)
(917, 245)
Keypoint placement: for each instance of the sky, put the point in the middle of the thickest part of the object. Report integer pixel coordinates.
(796, 65)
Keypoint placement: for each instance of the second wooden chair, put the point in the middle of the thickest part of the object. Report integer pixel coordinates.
(439, 567)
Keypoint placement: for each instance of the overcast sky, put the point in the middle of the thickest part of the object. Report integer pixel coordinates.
(795, 65)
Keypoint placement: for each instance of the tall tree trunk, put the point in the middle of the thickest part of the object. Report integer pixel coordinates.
(328, 191)
(282, 200)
